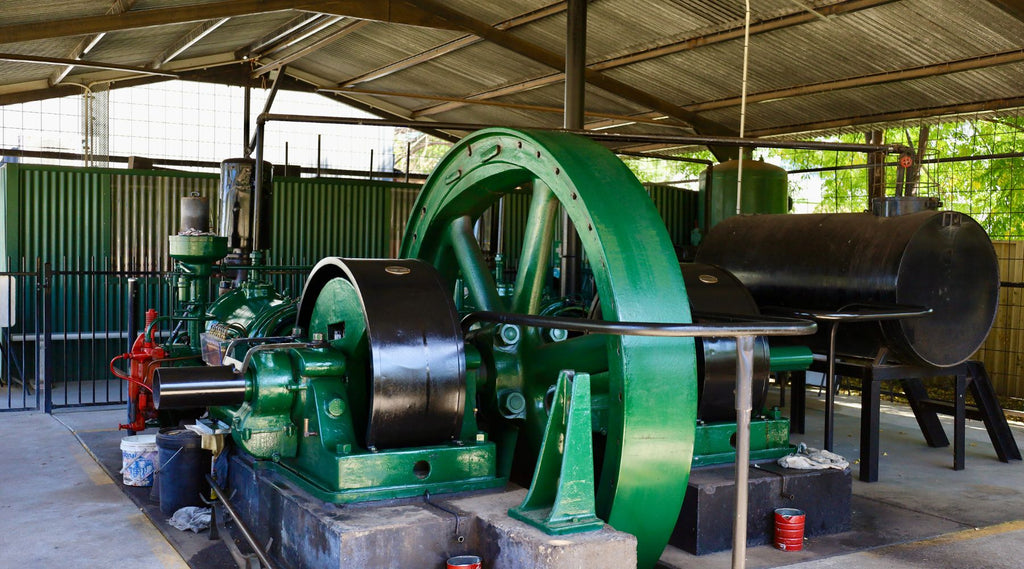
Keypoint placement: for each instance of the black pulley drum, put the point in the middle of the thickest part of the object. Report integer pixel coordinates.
(714, 295)
(938, 260)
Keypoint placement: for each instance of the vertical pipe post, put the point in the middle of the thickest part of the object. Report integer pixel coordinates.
(830, 388)
(46, 359)
(744, 403)
(246, 120)
(133, 329)
(370, 171)
(575, 63)
(257, 194)
(408, 159)
(319, 138)
(573, 105)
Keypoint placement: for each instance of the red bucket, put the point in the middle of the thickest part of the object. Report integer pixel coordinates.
(464, 562)
(789, 529)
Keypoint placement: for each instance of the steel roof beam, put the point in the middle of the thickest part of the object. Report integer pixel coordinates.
(557, 61)
(88, 43)
(315, 27)
(268, 41)
(924, 71)
(22, 58)
(921, 72)
(189, 39)
(453, 45)
(347, 28)
(730, 34)
(393, 11)
(1014, 8)
(661, 121)
(929, 112)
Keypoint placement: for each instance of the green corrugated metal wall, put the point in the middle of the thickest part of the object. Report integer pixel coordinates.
(146, 207)
(124, 215)
(332, 217)
(678, 208)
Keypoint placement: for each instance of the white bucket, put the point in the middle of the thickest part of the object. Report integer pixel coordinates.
(138, 460)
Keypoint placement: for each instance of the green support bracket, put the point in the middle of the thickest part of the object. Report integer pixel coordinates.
(561, 496)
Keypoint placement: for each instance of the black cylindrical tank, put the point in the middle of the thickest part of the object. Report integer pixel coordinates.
(237, 208)
(940, 260)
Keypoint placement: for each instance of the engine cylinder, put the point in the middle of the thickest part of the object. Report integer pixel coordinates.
(939, 260)
(200, 386)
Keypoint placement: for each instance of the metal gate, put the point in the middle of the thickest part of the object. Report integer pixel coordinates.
(21, 335)
(60, 328)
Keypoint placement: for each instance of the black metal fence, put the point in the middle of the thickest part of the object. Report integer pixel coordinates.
(60, 327)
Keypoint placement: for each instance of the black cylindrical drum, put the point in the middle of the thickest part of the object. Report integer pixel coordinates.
(939, 260)
(237, 208)
(183, 468)
(195, 214)
(199, 386)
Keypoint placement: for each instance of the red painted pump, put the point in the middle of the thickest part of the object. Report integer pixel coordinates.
(144, 357)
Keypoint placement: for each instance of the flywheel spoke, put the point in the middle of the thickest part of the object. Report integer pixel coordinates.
(536, 252)
(482, 289)
(585, 354)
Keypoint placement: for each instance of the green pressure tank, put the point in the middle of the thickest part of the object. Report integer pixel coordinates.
(765, 190)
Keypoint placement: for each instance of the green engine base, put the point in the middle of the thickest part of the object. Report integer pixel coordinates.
(399, 473)
(769, 438)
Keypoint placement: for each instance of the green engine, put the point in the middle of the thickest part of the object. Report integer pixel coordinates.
(383, 389)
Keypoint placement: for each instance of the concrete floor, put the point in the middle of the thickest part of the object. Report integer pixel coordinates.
(59, 509)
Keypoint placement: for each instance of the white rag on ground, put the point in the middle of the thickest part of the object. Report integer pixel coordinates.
(191, 518)
(807, 458)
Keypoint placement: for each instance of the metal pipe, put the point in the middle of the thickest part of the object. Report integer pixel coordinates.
(198, 386)
(246, 532)
(743, 110)
(258, 189)
(681, 140)
(134, 305)
(744, 398)
(848, 314)
(830, 387)
(408, 160)
(759, 325)
(571, 261)
(247, 121)
(665, 157)
(269, 102)
(575, 64)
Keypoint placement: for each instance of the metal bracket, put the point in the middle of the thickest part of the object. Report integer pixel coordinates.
(561, 496)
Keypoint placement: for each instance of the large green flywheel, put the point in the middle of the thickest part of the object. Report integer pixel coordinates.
(646, 386)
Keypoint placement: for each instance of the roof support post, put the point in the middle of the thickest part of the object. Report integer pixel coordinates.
(574, 103)
(876, 169)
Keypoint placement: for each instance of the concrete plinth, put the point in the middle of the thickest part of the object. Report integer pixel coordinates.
(307, 533)
(705, 523)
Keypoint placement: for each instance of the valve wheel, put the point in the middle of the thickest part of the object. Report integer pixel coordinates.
(650, 384)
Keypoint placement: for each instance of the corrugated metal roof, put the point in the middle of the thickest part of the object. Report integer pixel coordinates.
(811, 71)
